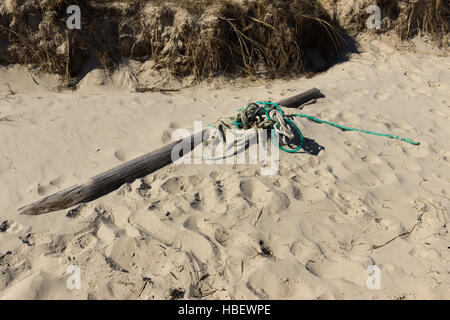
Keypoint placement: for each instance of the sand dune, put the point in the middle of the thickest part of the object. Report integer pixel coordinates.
(224, 231)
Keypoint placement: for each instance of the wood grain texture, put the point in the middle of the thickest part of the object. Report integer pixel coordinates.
(304, 97)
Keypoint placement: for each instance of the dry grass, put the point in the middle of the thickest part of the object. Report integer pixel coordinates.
(274, 38)
(427, 17)
(410, 18)
(29, 51)
(258, 38)
(193, 6)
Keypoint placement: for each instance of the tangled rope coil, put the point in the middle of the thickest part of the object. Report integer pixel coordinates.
(269, 115)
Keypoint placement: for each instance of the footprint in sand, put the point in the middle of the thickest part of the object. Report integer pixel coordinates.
(313, 193)
(4, 226)
(81, 211)
(265, 284)
(422, 152)
(380, 96)
(56, 182)
(11, 227)
(305, 250)
(41, 286)
(443, 178)
(372, 159)
(47, 242)
(439, 113)
(193, 223)
(194, 180)
(445, 154)
(401, 86)
(174, 125)
(414, 75)
(80, 244)
(120, 155)
(41, 189)
(166, 137)
(174, 185)
(389, 225)
(264, 197)
(293, 191)
(334, 218)
(222, 236)
(346, 270)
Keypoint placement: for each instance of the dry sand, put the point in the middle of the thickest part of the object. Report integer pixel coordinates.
(197, 228)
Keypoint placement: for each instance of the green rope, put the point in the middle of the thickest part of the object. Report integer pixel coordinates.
(413, 142)
(300, 146)
(243, 121)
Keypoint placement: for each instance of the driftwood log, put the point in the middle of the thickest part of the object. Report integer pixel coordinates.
(112, 179)
(304, 97)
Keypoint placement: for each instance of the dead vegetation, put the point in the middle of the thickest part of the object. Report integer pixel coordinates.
(271, 38)
(203, 38)
(189, 38)
(404, 17)
(427, 17)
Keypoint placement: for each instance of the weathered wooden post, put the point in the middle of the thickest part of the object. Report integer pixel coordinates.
(112, 179)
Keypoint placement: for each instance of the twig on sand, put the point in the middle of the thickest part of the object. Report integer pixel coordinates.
(198, 293)
(11, 91)
(154, 89)
(259, 216)
(406, 233)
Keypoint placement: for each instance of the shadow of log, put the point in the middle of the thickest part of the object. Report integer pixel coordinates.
(311, 147)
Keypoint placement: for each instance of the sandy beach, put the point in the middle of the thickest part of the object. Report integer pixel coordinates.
(226, 231)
